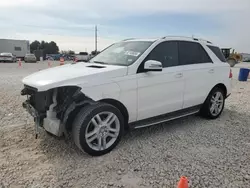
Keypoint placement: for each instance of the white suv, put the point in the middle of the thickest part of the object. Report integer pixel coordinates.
(131, 84)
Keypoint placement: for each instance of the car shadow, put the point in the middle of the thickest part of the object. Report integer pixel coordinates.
(55, 147)
(139, 144)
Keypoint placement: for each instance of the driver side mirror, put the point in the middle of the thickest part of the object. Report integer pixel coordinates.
(152, 65)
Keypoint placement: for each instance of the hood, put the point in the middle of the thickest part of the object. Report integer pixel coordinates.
(73, 74)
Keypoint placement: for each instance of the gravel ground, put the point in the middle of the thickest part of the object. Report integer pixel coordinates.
(213, 153)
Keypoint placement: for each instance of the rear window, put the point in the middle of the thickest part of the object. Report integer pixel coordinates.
(217, 52)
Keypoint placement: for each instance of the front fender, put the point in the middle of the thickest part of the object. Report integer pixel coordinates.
(99, 92)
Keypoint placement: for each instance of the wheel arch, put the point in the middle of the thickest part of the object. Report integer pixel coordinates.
(120, 106)
(205, 111)
(77, 100)
(221, 86)
(70, 101)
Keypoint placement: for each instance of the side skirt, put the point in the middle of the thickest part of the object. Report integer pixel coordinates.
(165, 117)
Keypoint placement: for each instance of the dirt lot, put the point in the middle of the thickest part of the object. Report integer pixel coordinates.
(210, 153)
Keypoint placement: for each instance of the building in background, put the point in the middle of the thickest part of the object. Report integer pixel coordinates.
(19, 48)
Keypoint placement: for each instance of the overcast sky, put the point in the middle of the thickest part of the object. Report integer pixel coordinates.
(70, 23)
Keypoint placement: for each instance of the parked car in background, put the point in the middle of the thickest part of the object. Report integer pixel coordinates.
(93, 54)
(53, 57)
(82, 57)
(132, 84)
(67, 57)
(7, 57)
(30, 58)
(17, 47)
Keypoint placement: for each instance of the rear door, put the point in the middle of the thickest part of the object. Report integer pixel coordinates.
(198, 72)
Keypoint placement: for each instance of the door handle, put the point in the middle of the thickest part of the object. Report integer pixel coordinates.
(211, 71)
(178, 75)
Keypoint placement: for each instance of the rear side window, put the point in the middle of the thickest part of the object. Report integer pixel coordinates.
(192, 53)
(217, 52)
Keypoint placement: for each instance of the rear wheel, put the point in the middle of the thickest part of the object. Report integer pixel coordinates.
(214, 104)
(98, 128)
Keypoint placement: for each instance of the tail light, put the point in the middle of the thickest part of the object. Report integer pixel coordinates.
(230, 74)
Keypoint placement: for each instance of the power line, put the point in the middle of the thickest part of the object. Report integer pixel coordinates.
(96, 38)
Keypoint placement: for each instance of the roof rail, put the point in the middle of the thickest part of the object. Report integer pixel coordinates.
(196, 39)
(203, 40)
(176, 36)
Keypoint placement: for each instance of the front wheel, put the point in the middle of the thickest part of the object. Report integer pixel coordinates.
(98, 128)
(214, 104)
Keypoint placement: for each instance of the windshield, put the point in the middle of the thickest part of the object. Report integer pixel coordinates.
(122, 53)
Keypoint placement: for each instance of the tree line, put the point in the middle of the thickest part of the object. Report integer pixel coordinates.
(48, 47)
(71, 52)
(51, 48)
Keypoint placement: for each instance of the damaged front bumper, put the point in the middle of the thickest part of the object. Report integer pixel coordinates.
(34, 113)
(45, 118)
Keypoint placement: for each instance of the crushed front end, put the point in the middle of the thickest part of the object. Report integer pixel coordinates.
(54, 109)
(40, 105)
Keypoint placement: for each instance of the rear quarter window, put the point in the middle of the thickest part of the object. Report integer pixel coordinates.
(217, 52)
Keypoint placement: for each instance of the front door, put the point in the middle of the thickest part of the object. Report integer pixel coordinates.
(160, 92)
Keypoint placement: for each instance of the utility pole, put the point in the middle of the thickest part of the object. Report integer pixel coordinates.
(96, 38)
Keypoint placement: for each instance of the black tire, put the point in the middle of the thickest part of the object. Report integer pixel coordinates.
(205, 109)
(82, 120)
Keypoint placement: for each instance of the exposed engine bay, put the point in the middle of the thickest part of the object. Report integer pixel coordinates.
(54, 109)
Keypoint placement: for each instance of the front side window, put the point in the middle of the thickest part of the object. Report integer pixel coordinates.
(192, 53)
(123, 53)
(166, 53)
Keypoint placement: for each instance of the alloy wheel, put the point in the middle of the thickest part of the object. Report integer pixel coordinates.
(102, 131)
(217, 102)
